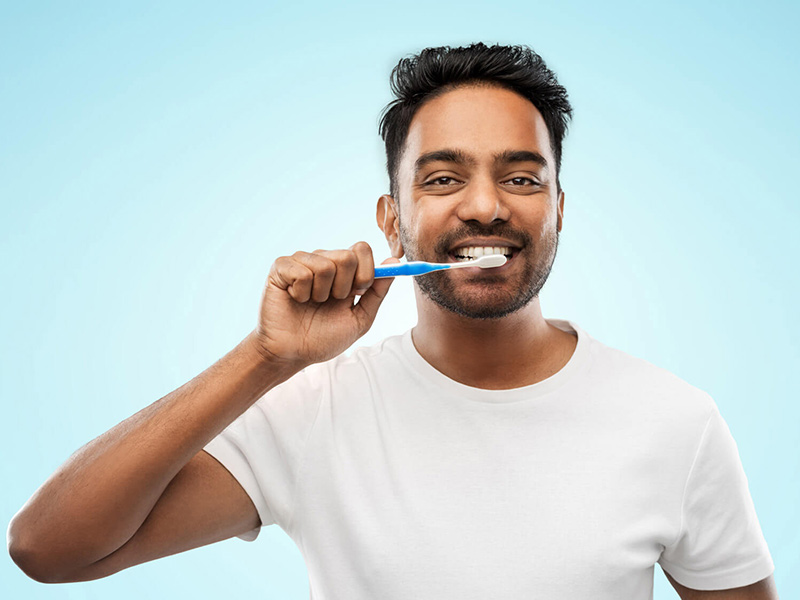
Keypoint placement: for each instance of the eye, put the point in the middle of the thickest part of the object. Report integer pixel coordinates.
(533, 182)
(432, 181)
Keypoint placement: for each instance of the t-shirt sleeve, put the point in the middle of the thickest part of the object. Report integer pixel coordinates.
(720, 544)
(264, 447)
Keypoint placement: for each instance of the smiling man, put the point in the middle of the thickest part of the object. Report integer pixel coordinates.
(487, 452)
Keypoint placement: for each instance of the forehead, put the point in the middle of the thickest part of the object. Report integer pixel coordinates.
(479, 120)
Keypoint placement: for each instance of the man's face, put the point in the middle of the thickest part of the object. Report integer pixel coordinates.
(448, 205)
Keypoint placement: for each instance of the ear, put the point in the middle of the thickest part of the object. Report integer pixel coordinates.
(560, 210)
(389, 223)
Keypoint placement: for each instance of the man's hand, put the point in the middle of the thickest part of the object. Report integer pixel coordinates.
(308, 311)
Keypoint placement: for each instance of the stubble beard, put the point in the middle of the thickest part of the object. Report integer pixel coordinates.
(490, 301)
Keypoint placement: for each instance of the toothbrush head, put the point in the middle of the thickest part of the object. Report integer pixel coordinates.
(484, 262)
(491, 260)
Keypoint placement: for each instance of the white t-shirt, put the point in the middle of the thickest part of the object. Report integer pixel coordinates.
(397, 482)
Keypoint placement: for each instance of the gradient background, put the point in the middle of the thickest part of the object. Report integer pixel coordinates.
(156, 159)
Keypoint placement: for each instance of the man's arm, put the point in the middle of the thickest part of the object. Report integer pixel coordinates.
(144, 488)
(203, 504)
(761, 590)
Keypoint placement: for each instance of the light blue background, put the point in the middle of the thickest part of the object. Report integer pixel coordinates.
(155, 160)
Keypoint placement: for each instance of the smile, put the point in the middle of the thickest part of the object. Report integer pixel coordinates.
(468, 253)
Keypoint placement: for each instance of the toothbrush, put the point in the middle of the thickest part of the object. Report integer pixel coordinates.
(421, 267)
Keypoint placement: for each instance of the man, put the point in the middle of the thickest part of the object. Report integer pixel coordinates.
(486, 453)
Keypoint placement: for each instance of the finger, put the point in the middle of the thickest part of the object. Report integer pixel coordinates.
(368, 305)
(292, 276)
(346, 262)
(365, 271)
(323, 270)
(324, 273)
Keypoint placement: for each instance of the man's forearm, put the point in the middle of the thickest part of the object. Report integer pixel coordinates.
(97, 500)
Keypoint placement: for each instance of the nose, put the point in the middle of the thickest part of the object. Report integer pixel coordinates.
(482, 201)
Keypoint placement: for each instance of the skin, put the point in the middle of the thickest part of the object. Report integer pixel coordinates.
(513, 349)
(485, 328)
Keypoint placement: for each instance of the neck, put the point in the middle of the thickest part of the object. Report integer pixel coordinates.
(514, 351)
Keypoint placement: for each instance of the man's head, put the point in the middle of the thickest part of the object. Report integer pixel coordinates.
(434, 71)
(473, 144)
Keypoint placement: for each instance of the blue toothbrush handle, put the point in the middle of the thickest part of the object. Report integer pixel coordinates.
(409, 268)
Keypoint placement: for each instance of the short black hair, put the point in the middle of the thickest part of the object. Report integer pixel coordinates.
(434, 71)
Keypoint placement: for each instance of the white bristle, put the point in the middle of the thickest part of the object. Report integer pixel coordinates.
(484, 262)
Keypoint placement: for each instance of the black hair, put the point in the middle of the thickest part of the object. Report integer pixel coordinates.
(434, 71)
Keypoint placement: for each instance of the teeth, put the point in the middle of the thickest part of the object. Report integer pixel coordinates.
(473, 252)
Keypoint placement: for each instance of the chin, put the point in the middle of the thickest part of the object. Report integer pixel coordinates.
(483, 306)
(485, 313)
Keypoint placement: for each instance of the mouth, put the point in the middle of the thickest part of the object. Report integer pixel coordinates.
(467, 254)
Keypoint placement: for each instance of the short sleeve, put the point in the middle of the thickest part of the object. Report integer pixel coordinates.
(720, 544)
(263, 448)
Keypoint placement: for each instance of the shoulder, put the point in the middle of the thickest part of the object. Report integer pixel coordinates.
(649, 386)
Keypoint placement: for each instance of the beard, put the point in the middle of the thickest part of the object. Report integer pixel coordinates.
(485, 295)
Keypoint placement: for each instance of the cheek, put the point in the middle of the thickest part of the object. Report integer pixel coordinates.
(428, 222)
(407, 230)
(542, 223)
(427, 212)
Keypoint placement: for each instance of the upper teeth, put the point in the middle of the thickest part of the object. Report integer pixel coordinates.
(478, 251)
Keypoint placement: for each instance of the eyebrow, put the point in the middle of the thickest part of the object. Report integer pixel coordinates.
(460, 157)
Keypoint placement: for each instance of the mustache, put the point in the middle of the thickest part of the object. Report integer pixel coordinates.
(447, 241)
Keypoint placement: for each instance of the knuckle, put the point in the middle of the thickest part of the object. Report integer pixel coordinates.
(281, 265)
(325, 267)
(349, 259)
(300, 255)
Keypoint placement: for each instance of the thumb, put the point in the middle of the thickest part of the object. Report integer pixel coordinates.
(368, 304)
